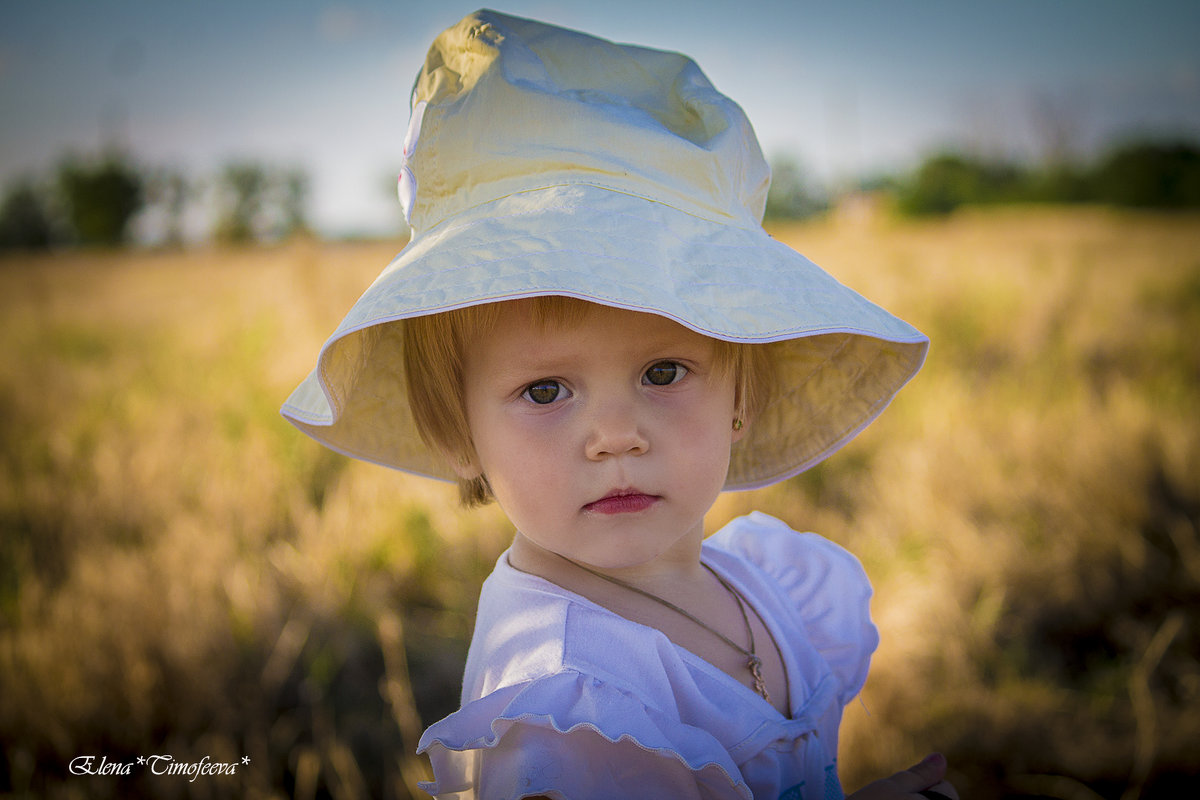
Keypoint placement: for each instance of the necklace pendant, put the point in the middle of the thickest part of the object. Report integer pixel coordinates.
(760, 686)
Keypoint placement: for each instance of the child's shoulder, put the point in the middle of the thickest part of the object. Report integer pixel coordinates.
(792, 558)
(810, 579)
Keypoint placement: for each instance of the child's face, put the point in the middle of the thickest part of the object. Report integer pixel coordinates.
(604, 441)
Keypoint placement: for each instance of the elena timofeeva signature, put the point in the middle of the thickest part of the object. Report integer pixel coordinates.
(157, 765)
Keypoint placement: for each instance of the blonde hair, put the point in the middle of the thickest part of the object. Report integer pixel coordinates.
(434, 350)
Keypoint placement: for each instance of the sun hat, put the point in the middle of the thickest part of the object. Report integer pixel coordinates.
(544, 161)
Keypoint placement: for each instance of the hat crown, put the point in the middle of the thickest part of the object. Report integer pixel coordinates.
(505, 105)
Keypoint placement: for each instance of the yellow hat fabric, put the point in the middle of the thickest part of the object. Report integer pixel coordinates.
(543, 161)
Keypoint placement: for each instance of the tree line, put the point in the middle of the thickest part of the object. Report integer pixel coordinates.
(95, 201)
(1144, 174)
(1149, 174)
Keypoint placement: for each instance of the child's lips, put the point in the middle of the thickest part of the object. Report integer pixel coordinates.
(622, 501)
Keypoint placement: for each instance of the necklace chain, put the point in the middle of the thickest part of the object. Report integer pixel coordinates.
(753, 662)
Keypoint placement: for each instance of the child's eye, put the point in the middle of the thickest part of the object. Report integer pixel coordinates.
(664, 373)
(543, 392)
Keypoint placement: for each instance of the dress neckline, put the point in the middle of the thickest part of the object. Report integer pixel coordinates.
(786, 655)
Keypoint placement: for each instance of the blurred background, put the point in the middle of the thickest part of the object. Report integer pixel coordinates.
(192, 194)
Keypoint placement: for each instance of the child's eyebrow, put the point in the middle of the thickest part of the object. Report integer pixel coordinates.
(557, 358)
(670, 345)
(526, 370)
(530, 366)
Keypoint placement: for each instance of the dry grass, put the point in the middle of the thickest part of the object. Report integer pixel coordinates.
(181, 572)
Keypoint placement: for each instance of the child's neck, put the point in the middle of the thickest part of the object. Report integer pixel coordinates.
(679, 567)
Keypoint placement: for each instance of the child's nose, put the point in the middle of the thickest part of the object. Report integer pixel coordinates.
(615, 431)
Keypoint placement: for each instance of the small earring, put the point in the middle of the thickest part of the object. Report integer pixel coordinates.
(737, 424)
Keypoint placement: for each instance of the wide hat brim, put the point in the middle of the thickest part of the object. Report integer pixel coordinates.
(841, 362)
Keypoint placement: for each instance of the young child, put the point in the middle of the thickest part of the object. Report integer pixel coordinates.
(591, 328)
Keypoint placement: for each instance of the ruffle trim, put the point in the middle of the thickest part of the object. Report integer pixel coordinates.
(826, 585)
(513, 716)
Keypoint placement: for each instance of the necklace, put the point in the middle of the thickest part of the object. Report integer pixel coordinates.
(753, 662)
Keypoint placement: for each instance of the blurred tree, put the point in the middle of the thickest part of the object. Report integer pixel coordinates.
(941, 184)
(1150, 175)
(947, 181)
(25, 222)
(1059, 183)
(169, 191)
(293, 185)
(1142, 174)
(791, 195)
(100, 198)
(256, 201)
(241, 187)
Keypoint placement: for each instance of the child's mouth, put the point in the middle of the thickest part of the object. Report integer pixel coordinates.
(622, 501)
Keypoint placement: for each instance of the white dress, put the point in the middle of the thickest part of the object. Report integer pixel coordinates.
(563, 697)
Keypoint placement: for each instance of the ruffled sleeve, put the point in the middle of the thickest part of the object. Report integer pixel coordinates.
(825, 585)
(573, 736)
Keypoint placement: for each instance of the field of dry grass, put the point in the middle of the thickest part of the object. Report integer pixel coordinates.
(182, 573)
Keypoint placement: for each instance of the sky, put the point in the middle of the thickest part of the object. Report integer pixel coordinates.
(847, 88)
